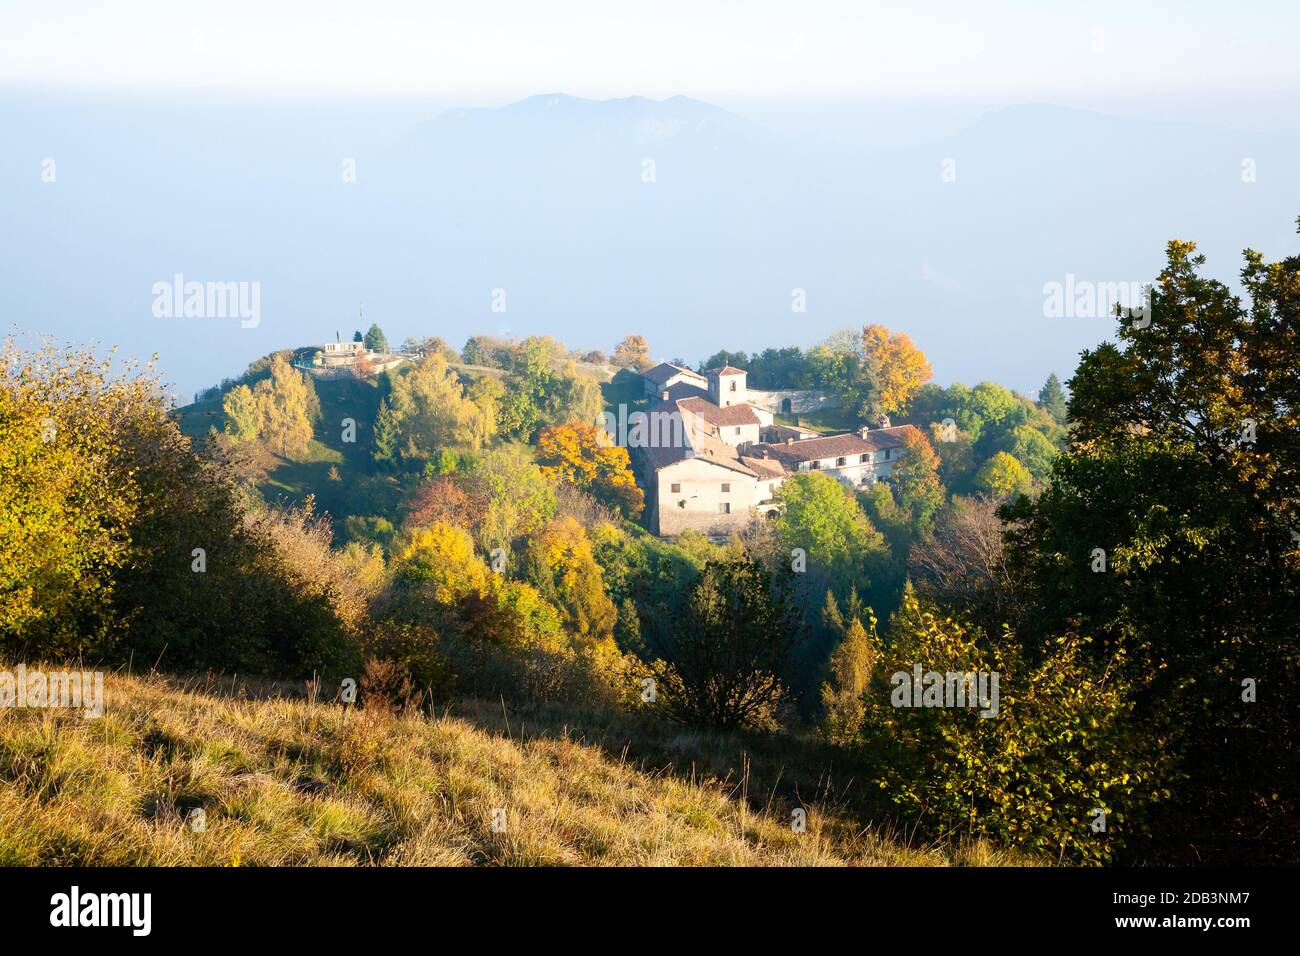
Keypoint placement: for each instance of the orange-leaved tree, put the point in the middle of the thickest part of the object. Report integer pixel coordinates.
(898, 367)
(583, 455)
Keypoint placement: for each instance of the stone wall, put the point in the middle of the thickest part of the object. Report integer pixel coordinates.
(802, 400)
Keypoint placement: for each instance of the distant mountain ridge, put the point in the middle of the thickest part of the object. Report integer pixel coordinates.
(673, 218)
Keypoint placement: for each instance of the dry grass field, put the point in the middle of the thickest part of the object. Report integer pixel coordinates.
(285, 782)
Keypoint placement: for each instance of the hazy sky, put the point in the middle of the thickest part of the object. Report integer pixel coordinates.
(206, 139)
(487, 50)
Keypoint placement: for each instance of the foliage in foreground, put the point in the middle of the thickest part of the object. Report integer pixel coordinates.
(1057, 747)
(117, 542)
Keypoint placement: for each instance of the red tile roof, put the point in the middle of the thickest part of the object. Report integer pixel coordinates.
(662, 372)
(840, 446)
(731, 415)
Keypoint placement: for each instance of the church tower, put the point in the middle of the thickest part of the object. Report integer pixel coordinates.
(727, 386)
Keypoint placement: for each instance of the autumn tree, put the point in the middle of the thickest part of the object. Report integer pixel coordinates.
(583, 455)
(66, 498)
(632, 352)
(1062, 712)
(426, 411)
(544, 389)
(876, 372)
(898, 368)
(442, 499)
(849, 674)
(915, 478)
(1003, 476)
(488, 351)
(362, 367)
(117, 541)
(440, 560)
(278, 410)
(1183, 468)
(562, 566)
(517, 499)
(961, 563)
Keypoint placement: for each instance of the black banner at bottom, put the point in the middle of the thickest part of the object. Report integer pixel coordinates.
(363, 905)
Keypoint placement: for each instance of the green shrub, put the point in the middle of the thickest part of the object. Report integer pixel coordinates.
(1059, 747)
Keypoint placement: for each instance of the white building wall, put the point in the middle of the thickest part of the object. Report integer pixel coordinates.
(736, 435)
(855, 472)
(696, 502)
(725, 390)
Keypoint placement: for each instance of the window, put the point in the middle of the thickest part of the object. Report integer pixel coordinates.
(726, 487)
(888, 453)
(841, 462)
(737, 429)
(724, 508)
(815, 465)
(674, 488)
(863, 459)
(733, 386)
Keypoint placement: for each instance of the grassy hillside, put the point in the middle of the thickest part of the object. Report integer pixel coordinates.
(359, 488)
(287, 781)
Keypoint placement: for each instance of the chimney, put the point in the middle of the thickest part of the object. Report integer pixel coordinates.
(664, 395)
(862, 432)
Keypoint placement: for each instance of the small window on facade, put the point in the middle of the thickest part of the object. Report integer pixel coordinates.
(889, 453)
(724, 508)
(841, 462)
(733, 386)
(864, 458)
(674, 488)
(815, 465)
(737, 429)
(726, 487)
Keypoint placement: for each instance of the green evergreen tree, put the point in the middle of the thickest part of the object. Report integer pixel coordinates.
(375, 340)
(1052, 397)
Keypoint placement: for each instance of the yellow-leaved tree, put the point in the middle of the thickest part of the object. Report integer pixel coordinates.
(896, 365)
(583, 455)
(564, 569)
(278, 410)
(428, 410)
